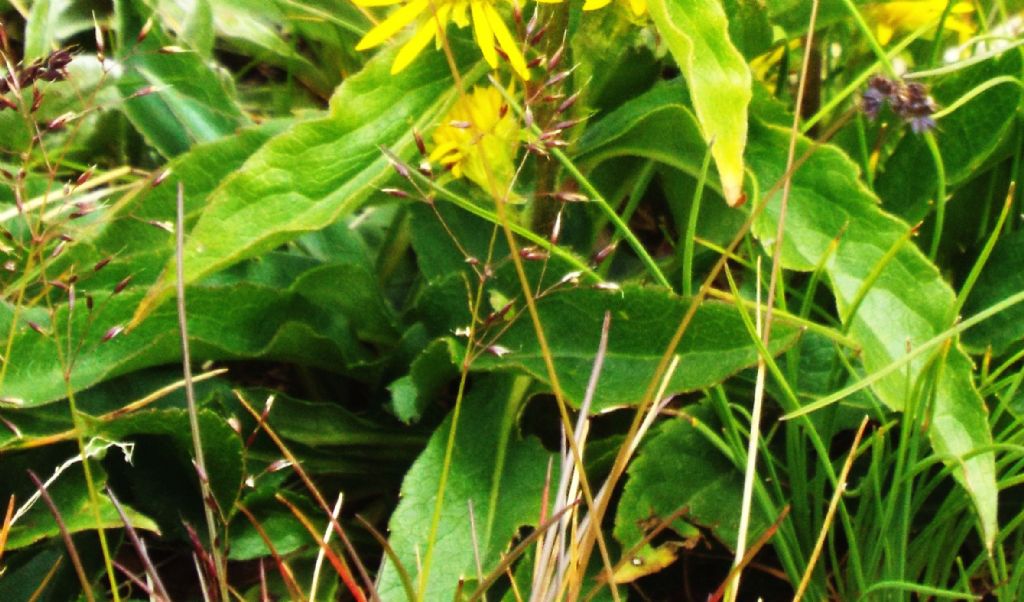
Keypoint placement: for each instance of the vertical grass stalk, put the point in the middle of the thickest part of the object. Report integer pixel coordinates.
(190, 396)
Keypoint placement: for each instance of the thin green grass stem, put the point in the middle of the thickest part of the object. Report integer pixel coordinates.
(637, 187)
(939, 31)
(902, 362)
(691, 225)
(986, 251)
(940, 195)
(872, 277)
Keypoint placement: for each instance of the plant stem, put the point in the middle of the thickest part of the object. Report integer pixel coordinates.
(190, 396)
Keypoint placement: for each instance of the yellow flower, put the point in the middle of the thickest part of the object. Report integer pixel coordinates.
(432, 17)
(908, 15)
(639, 6)
(478, 135)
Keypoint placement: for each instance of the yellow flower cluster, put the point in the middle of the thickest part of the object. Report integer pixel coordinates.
(479, 135)
(432, 17)
(908, 15)
(639, 7)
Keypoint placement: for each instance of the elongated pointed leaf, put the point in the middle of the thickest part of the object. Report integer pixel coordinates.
(696, 32)
(188, 102)
(317, 172)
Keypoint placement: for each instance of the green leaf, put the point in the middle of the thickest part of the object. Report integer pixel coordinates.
(431, 370)
(968, 138)
(125, 232)
(39, 27)
(908, 303)
(189, 103)
(677, 471)
(163, 446)
(285, 531)
(317, 172)
(493, 468)
(69, 493)
(748, 26)
(198, 28)
(1002, 277)
(261, 321)
(322, 424)
(718, 77)
(716, 344)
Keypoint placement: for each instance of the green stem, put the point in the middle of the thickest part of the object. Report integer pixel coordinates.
(862, 25)
(937, 41)
(595, 196)
(940, 195)
(691, 225)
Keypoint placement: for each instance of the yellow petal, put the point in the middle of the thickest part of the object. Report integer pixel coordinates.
(370, 3)
(639, 6)
(392, 25)
(595, 4)
(507, 43)
(415, 45)
(482, 32)
(459, 15)
(884, 33)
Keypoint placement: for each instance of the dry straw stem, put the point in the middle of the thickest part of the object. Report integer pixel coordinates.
(190, 396)
(323, 548)
(500, 200)
(830, 515)
(159, 591)
(134, 406)
(337, 562)
(76, 561)
(311, 487)
(6, 528)
(766, 330)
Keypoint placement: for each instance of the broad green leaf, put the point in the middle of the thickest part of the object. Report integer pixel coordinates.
(907, 304)
(493, 468)
(198, 28)
(677, 471)
(967, 138)
(749, 28)
(51, 423)
(261, 321)
(250, 29)
(795, 15)
(715, 346)
(317, 172)
(613, 59)
(324, 423)
(125, 230)
(718, 78)
(188, 104)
